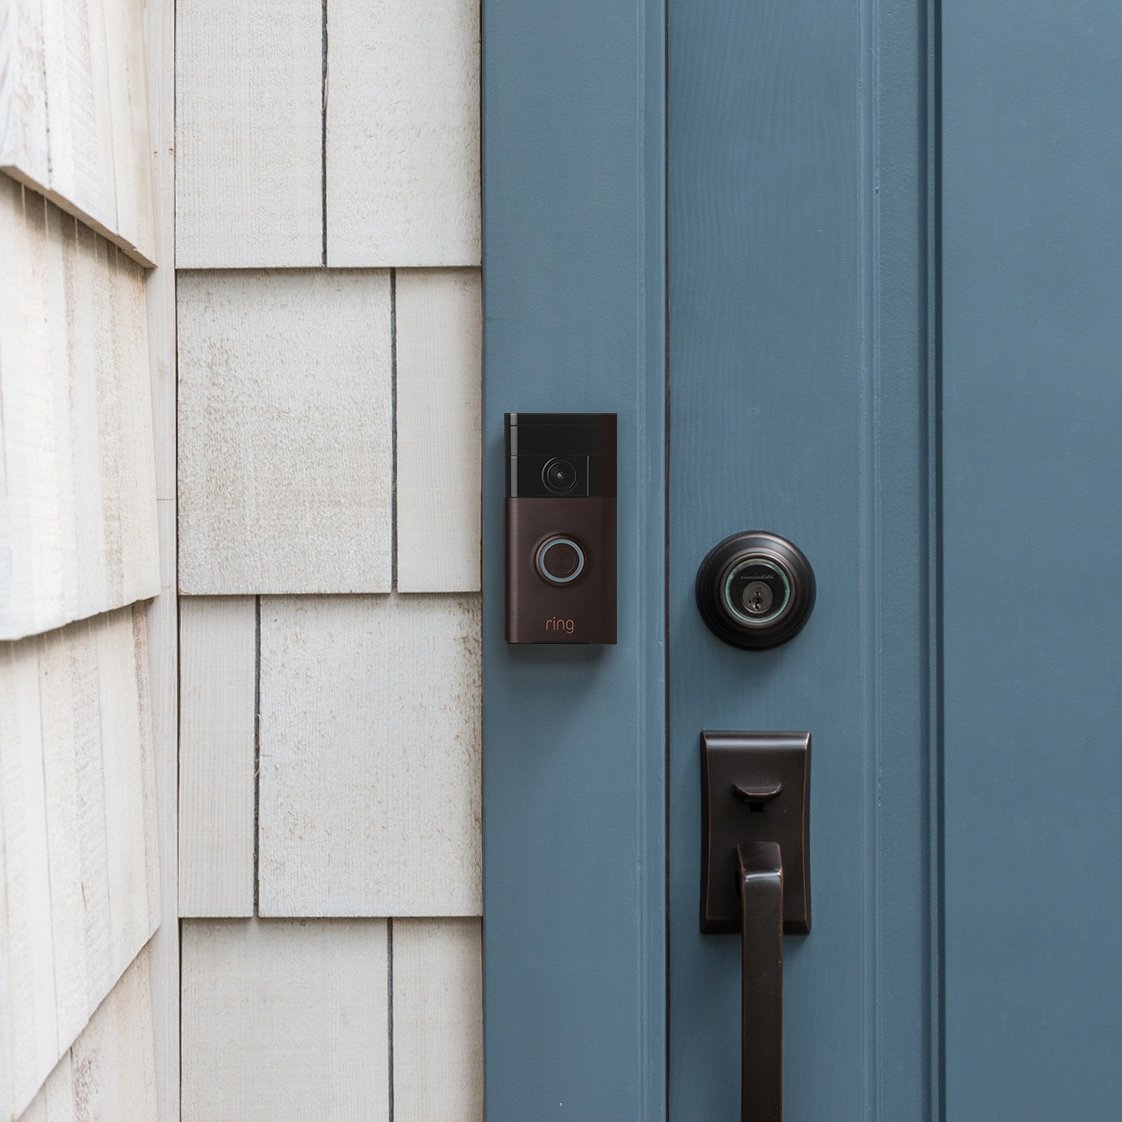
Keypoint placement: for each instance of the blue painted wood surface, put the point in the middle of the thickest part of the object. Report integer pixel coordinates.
(1032, 542)
(574, 738)
(911, 369)
(799, 403)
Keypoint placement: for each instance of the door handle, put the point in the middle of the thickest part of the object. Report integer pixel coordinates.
(755, 880)
(760, 883)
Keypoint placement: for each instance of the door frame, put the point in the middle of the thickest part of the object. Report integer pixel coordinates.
(574, 284)
(574, 320)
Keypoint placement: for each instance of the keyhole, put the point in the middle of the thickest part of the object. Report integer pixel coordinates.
(756, 598)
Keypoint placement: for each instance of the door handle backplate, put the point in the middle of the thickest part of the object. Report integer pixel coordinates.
(755, 787)
(755, 879)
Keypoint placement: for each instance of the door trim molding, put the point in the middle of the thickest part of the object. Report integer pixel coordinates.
(907, 962)
(574, 737)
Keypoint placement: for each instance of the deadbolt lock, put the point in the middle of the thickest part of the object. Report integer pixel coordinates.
(755, 590)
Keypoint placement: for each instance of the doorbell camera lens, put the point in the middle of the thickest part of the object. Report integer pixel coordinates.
(559, 476)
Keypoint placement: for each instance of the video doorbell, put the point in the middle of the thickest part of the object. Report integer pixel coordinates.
(561, 528)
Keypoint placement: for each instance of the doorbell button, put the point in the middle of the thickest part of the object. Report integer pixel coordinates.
(560, 560)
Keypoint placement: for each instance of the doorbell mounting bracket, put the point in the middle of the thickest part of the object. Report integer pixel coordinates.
(560, 528)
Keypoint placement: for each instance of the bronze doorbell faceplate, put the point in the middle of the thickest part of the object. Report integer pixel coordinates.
(561, 528)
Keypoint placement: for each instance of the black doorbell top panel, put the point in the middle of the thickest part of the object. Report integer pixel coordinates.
(561, 528)
(556, 455)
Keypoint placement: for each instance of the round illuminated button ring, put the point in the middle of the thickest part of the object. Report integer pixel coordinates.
(560, 560)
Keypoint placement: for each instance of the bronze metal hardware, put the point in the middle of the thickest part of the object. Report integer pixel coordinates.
(755, 879)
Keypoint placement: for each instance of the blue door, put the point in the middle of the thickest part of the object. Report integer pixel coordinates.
(849, 272)
(800, 403)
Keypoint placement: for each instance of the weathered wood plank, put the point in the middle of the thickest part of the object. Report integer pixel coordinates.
(162, 614)
(439, 390)
(78, 110)
(403, 133)
(285, 440)
(96, 263)
(70, 692)
(59, 717)
(78, 500)
(140, 564)
(84, 708)
(249, 163)
(130, 1005)
(58, 247)
(59, 1093)
(89, 341)
(159, 23)
(29, 328)
(84, 689)
(216, 756)
(112, 1061)
(132, 144)
(73, 112)
(369, 756)
(44, 413)
(139, 621)
(28, 1019)
(123, 759)
(55, 1100)
(285, 1020)
(23, 92)
(437, 1020)
(36, 1112)
(163, 956)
